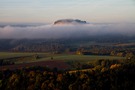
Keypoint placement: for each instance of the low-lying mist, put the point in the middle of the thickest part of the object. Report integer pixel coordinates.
(65, 31)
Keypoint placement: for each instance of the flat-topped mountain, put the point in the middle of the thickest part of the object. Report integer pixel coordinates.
(69, 22)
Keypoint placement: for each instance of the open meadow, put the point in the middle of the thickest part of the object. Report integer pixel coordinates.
(20, 60)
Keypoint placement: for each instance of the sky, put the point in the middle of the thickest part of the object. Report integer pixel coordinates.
(48, 11)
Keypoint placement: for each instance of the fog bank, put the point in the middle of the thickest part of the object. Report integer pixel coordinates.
(65, 31)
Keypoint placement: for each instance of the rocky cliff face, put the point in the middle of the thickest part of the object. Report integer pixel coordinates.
(69, 22)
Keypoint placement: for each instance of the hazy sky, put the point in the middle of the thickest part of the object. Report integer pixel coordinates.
(51, 10)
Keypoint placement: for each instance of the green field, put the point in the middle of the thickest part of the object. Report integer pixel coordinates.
(64, 57)
(12, 54)
(81, 57)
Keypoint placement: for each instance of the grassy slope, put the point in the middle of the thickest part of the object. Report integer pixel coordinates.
(64, 57)
(12, 55)
(80, 58)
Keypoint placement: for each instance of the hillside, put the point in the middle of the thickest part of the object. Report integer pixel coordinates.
(69, 22)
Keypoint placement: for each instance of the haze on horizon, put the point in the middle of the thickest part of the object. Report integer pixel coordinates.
(66, 31)
(48, 11)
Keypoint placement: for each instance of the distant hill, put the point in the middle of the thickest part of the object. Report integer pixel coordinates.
(69, 22)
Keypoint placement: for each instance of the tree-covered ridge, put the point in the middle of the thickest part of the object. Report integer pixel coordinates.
(116, 77)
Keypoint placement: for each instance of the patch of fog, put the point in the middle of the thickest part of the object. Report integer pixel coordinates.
(65, 31)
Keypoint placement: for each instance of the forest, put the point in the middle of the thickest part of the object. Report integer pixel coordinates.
(118, 76)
